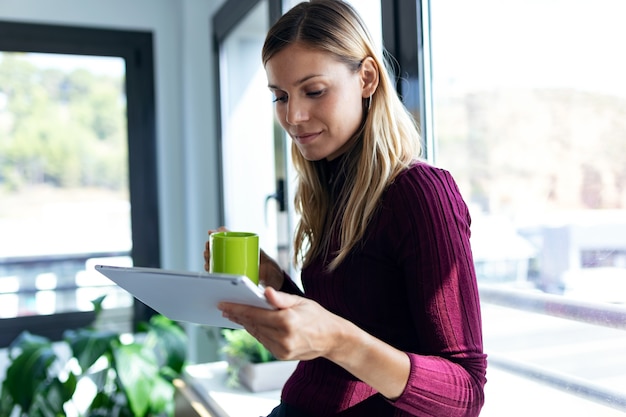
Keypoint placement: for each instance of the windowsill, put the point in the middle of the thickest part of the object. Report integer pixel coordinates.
(511, 395)
(213, 398)
(208, 380)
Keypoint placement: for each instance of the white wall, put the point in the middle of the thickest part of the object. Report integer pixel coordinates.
(185, 105)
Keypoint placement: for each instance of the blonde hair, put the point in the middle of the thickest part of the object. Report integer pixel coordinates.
(386, 144)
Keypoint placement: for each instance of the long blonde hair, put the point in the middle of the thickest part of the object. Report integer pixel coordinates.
(387, 142)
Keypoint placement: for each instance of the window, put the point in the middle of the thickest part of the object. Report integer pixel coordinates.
(77, 172)
(529, 115)
(64, 181)
(524, 102)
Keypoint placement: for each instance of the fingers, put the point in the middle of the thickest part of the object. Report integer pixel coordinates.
(270, 272)
(249, 316)
(284, 332)
(207, 256)
(280, 300)
(241, 314)
(207, 247)
(219, 229)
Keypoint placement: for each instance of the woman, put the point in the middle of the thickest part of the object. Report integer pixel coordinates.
(389, 322)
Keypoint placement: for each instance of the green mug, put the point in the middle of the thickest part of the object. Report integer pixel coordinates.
(235, 253)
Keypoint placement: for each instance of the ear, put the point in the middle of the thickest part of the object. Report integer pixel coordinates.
(369, 76)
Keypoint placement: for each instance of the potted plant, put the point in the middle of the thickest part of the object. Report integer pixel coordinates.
(128, 378)
(250, 364)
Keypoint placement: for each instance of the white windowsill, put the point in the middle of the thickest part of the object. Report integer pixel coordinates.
(506, 394)
(209, 381)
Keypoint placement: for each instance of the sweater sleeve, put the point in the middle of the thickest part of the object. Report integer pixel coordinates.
(433, 239)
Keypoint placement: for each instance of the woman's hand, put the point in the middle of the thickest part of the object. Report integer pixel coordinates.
(270, 273)
(207, 247)
(302, 329)
(299, 329)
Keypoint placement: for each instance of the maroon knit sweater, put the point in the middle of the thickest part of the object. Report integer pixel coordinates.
(411, 284)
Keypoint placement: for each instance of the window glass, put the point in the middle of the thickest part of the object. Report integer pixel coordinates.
(250, 146)
(529, 102)
(63, 181)
(532, 122)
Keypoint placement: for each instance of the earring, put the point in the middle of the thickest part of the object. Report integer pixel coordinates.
(369, 104)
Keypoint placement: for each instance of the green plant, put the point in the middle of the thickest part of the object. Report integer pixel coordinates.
(241, 348)
(130, 378)
(242, 345)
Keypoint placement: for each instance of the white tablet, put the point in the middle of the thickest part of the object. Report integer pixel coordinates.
(187, 296)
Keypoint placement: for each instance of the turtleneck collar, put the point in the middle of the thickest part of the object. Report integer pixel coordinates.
(336, 169)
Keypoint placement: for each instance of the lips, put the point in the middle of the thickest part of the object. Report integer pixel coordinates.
(304, 138)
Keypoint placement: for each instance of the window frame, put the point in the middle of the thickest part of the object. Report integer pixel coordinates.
(406, 28)
(136, 48)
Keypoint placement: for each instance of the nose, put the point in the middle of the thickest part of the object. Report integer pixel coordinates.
(297, 112)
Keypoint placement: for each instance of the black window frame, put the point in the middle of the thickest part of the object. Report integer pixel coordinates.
(136, 48)
(406, 28)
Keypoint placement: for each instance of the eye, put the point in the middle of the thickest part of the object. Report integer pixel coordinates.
(315, 93)
(280, 99)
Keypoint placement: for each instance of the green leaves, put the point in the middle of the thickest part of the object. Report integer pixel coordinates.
(241, 344)
(30, 383)
(31, 358)
(137, 369)
(147, 369)
(241, 348)
(132, 380)
(89, 345)
(169, 341)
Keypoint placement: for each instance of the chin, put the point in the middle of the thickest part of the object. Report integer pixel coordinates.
(312, 156)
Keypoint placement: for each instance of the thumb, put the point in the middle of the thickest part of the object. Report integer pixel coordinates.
(280, 300)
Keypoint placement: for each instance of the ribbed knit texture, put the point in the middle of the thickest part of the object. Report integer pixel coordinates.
(411, 284)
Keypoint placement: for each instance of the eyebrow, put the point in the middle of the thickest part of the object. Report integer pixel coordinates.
(298, 82)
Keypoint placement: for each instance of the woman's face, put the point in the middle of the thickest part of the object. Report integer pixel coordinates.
(318, 100)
